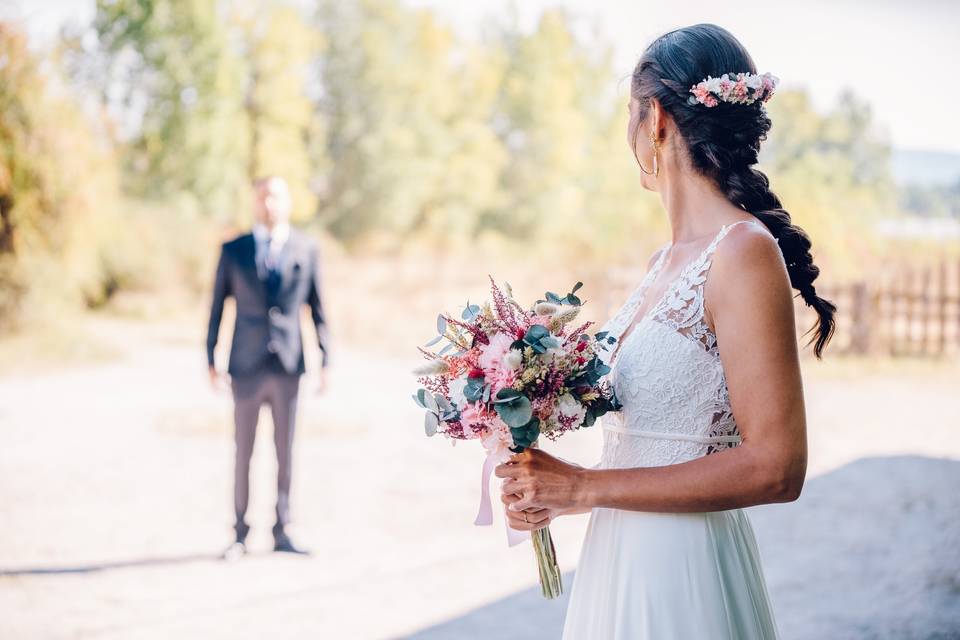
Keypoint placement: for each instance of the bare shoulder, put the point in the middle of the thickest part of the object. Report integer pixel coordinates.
(749, 254)
(747, 276)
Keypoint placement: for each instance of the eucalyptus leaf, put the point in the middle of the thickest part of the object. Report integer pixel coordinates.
(421, 398)
(470, 312)
(442, 402)
(589, 419)
(430, 424)
(524, 436)
(430, 402)
(535, 332)
(508, 393)
(473, 390)
(576, 287)
(441, 324)
(549, 342)
(434, 341)
(515, 413)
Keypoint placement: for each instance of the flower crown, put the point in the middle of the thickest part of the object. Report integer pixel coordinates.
(738, 88)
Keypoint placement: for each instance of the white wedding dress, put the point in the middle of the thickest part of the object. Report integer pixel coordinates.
(665, 576)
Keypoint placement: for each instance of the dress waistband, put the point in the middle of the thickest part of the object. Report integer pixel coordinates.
(663, 435)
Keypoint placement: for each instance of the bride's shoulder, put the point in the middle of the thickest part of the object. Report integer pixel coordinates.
(748, 256)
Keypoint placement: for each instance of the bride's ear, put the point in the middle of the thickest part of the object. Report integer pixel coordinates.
(657, 119)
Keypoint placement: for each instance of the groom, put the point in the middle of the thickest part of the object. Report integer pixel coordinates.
(271, 273)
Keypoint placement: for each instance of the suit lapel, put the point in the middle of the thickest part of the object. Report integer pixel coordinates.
(247, 261)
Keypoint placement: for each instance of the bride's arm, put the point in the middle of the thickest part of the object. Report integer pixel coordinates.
(751, 307)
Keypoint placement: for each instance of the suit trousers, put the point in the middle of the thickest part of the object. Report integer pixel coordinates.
(278, 389)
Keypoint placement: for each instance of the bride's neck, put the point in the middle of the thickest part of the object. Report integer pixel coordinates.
(694, 205)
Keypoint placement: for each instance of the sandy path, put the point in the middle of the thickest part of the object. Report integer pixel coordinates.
(115, 489)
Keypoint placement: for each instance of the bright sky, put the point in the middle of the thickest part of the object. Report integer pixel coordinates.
(900, 56)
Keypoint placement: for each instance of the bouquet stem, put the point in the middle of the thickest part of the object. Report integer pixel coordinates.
(551, 581)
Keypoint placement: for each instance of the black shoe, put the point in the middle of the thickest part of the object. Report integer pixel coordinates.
(283, 544)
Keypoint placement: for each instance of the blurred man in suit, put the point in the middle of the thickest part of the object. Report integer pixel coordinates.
(271, 273)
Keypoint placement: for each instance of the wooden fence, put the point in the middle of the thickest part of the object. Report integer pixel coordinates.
(906, 311)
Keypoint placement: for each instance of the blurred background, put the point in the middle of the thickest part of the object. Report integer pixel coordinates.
(428, 143)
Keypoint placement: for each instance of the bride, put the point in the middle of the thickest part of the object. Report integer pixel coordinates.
(706, 367)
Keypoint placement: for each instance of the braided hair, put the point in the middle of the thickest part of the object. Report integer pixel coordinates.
(723, 143)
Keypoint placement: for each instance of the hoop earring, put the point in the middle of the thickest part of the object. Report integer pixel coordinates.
(656, 150)
(656, 156)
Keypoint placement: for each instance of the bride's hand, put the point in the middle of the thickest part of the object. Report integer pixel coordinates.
(529, 519)
(542, 481)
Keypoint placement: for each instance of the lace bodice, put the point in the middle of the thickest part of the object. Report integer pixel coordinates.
(667, 374)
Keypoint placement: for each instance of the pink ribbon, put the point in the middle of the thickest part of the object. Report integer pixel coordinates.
(485, 512)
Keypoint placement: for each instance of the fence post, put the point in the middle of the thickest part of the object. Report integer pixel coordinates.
(943, 302)
(860, 328)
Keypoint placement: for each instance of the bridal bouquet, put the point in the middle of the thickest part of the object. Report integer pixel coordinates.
(507, 375)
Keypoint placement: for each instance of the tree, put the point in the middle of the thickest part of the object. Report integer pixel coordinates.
(178, 87)
(569, 180)
(407, 116)
(280, 49)
(58, 192)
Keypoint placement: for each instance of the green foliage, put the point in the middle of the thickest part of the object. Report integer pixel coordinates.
(393, 131)
(178, 78)
(539, 339)
(408, 137)
(525, 435)
(280, 48)
(59, 218)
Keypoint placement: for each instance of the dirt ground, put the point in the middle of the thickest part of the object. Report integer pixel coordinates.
(115, 489)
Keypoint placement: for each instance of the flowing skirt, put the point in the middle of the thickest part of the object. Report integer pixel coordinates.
(659, 576)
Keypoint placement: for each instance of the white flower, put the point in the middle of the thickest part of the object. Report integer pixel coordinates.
(570, 407)
(456, 386)
(546, 308)
(513, 360)
(432, 368)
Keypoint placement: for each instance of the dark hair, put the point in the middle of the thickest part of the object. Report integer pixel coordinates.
(723, 142)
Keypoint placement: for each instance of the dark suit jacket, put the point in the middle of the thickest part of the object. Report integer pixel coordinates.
(267, 324)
